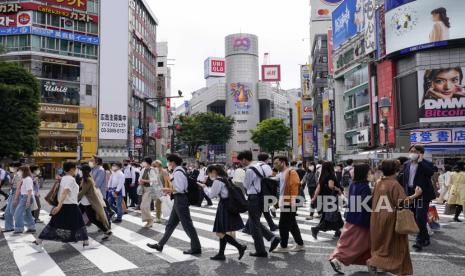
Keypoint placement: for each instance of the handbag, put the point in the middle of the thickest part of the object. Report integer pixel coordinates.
(52, 195)
(405, 222)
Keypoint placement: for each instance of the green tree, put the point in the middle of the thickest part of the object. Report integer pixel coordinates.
(19, 104)
(206, 128)
(271, 135)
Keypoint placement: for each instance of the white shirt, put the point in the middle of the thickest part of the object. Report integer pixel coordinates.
(239, 176)
(27, 185)
(68, 182)
(231, 173)
(253, 183)
(179, 180)
(117, 182)
(2, 174)
(217, 188)
(130, 172)
(202, 175)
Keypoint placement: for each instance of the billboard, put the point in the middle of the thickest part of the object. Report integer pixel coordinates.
(242, 96)
(307, 138)
(271, 73)
(72, 4)
(441, 95)
(305, 81)
(322, 9)
(214, 67)
(114, 79)
(424, 24)
(330, 52)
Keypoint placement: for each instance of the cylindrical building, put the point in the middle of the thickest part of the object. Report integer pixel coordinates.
(241, 52)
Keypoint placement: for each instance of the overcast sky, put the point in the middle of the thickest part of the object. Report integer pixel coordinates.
(195, 30)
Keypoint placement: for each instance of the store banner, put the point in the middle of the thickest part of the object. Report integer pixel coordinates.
(438, 136)
(425, 24)
(49, 33)
(441, 95)
(72, 4)
(370, 27)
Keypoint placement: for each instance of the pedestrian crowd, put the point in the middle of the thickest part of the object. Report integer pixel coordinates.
(100, 194)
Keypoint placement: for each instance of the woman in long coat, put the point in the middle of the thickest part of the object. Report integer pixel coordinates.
(92, 204)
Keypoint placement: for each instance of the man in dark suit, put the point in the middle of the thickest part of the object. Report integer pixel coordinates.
(417, 175)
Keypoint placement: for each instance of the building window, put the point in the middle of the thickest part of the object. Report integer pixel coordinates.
(160, 64)
(89, 90)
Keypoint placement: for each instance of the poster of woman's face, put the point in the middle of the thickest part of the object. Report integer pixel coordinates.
(442, 94)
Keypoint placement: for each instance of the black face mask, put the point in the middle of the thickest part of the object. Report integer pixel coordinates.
(126, 165)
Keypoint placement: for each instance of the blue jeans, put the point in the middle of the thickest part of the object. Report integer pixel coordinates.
(116, 204)
(23, 215)
(10, 211)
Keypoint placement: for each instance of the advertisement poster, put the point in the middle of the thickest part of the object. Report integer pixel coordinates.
(347, 21)
(441, 95)
(322, 9)
(330, 52)
(305, 81)
(424, 24)
(307, 138)
(242, 96)
(326, 113)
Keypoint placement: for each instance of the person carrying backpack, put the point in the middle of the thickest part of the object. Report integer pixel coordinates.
(226, 221)
(253, 186)
(311, 183)
(180, 212)
(347, 176)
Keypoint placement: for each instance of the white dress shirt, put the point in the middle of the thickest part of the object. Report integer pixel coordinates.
(217, 188)
(117, 182)
(130, 172)
(179, 180)
(253, 183)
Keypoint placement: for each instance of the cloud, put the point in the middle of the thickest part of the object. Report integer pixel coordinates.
(195, 30)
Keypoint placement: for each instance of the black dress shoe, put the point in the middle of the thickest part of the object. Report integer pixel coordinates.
(418, 247)
(6, 231)
(426, 243)
(274, 243)
(192, 252)
(117, 221)
(242, 251)
(258, 255)
(274, 228)
(155, 246)
(218, 258)
(457, 219)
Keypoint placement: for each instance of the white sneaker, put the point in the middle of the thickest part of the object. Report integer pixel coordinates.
(297, 248)
(280, 249)
(37, 246)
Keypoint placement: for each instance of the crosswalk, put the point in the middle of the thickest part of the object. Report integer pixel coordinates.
(131, 236)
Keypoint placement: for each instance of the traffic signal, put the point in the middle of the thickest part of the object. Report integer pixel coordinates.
(178, 126)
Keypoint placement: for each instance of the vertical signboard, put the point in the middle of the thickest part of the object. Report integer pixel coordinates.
(307, 138)
(369, 29)
(299, 122)
(113, 104)
(305, 81)
(330, 52)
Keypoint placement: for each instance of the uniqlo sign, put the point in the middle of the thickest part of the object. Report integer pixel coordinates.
(271, 73)
(217, 66)
(214, 67)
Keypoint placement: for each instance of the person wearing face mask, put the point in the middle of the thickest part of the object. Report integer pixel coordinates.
(13, 197)
(417, 181)
(66, 224)
(150, 183)
(116, 191)
(23, 214)
(310, 180)
(35, 178)
(225, 223)
(130, 184)
(353, 247)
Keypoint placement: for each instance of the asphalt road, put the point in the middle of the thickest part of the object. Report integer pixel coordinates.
(125, 253)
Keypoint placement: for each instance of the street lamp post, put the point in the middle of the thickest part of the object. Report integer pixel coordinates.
(385, 106)
(145, 126)
(80, 128)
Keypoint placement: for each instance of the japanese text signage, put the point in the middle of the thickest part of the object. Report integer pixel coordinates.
(369, 29)
(11, 9)
(50, 33)
(438, 136)
(72, 4)
(347, 21)
(113, 124)
(19, 19)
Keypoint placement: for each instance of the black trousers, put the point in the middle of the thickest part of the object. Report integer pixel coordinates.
(181, 213)
(131, 192)
(209, 201)
(257, 229)
(268, 218)
(288, 223)
(311, 192)
(36, 213)
(458, 210)
(92, 217)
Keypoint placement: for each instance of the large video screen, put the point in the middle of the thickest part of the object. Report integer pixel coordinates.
(423, 24)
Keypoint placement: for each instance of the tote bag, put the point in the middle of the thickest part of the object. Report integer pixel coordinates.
(405, 222)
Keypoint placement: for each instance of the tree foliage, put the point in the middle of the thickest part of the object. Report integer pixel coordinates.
(206, 128)
(271, 135)
(19, 104)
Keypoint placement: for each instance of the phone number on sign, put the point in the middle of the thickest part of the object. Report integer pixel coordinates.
(112, 130)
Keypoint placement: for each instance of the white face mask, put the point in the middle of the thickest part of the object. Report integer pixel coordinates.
(91, 164)
(144, 164)
(413, 156)
(114, 168)
(13, 170)
(37, 172)
(19, 174)
(212, 178)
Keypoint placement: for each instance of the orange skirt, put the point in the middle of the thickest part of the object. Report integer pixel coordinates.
(353, 247)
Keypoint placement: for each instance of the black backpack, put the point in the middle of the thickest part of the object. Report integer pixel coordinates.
(270, 187)
(346, 178)
(194, 191)
(237, 202)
